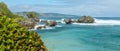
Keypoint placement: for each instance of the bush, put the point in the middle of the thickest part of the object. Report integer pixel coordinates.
(13, 37)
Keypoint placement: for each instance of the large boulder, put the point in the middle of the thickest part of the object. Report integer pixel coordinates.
(68, 21)
(51, 23)
(86, 19)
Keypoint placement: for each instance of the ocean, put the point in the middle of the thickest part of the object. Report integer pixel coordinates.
(103, 35)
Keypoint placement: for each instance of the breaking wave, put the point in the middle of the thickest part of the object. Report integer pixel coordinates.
(102, 22)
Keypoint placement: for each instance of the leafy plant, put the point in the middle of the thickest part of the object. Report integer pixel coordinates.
(14, 37)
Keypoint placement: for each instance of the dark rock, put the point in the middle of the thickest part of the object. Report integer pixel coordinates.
(86, 19)
(67, 21)
(40, 27)
(51, 23)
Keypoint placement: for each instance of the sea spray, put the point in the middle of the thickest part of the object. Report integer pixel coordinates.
(101, 22)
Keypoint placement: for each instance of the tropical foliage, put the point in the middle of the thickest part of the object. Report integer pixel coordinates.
(13, 37)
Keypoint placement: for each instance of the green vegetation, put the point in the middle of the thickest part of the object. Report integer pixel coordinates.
(5, 11)
(13, 37)
(32, 15)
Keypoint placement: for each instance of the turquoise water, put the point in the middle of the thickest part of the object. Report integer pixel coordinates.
(83, 37)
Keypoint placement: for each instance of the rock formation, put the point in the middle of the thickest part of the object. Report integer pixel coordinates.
(51, 23)
(68, 21)
(86, 19)
(28, 23)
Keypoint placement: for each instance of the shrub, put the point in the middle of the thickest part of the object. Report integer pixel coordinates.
(13, 37)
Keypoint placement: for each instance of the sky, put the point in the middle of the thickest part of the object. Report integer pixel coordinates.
(98, 8)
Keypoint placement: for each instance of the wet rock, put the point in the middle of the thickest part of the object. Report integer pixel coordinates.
(68, 21)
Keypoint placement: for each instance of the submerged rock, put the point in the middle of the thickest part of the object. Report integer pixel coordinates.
(51, 23)
(86, 19)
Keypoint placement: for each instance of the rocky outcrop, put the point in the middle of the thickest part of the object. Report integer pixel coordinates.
(28, 23)
(67, 21)
(35, 19)
(86, 19)
(51, 23)
(31, 21)
(33, 15)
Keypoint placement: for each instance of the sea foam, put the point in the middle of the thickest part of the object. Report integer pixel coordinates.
(101, 22)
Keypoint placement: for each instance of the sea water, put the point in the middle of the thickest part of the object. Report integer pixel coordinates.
(103, 35)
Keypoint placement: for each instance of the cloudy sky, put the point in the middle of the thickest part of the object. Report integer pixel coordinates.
(98, 8)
